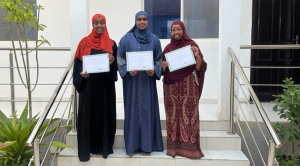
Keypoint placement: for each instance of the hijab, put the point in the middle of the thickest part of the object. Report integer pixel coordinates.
(95, 41)
(143, 36)
(175, 76)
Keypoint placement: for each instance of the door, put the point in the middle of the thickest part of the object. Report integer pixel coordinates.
(274, 22)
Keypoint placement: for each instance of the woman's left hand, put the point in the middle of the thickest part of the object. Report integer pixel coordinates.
(197, 57)
(195, 51)
(150, 72)
(111, 58)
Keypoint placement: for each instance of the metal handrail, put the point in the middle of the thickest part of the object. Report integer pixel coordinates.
(30, 84)
(31, 100)
(272, 67)
(69, 104)
(279, 47)
(33, 67)
(250, 131)
(261, 110)
(49, 105)
(270, 84)
(36, 156)
(39, 49)
(248, 103)
(68, 121)
(11, 67)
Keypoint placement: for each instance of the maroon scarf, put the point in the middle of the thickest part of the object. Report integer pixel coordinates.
(175, 76)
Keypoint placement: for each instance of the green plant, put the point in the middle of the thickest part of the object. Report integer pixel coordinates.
(21, 16)
(290, 160)
(14, 134)
(288, 107)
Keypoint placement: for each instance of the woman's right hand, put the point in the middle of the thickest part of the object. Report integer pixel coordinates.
(133, 73)
(85, 75)
(164, 65)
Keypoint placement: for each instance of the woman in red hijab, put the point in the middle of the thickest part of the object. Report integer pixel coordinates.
(96, 125)
(182, 91)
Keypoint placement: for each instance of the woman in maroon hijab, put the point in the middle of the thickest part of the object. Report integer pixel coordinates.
(182, 91)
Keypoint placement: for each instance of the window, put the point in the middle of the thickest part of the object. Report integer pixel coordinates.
(161, 14)
(4, 29)
(201, 17)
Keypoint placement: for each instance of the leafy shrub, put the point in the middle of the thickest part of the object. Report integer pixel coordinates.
(14, 134)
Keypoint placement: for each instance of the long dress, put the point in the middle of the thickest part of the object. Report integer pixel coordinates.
(182, 91)
(142, 130)
(96, 124)
(181, 106)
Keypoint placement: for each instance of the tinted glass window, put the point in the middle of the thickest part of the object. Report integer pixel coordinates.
(201, 18)
(4, 29)
(161, 14)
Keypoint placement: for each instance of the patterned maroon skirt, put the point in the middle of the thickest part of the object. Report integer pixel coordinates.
(181, 106)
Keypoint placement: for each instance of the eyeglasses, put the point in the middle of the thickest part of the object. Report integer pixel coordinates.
(174, 30)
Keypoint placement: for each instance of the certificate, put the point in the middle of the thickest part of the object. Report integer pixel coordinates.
(180, 58)
(139, 60)
(97, 63)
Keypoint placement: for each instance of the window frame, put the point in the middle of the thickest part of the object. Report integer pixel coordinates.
(181, 19)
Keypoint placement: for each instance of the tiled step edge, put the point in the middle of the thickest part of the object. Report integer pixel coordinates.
(204, 125)
(69, 157)
(208, 140)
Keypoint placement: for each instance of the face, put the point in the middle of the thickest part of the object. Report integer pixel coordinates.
(99, 25)
(176, 32)
(142, 22)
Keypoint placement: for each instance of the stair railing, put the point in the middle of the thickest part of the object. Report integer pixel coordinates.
(11, 68)
(275, 141)
(32, 139)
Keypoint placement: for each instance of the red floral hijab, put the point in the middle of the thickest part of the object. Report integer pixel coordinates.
(95, 41)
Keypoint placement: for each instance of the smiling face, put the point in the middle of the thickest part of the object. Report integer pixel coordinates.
(142, 22)
(99, 25)
(176, 32)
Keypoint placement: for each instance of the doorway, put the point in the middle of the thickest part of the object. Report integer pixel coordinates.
(274, 22)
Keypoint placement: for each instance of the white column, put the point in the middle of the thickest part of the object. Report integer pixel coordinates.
(229, 36)
(78, 22)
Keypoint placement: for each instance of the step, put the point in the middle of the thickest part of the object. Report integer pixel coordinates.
(204, 125)
(69, 157)
(212, 140)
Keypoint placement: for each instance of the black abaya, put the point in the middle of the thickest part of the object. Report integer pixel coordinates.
(96, 124)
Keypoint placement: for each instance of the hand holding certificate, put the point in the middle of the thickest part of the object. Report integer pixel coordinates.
(180, 58)
(98, 63)
(139, 60)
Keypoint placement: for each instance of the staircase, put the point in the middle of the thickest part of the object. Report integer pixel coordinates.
(219, 148)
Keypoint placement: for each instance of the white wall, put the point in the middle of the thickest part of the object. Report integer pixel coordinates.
(56, 18)
(210, 50)
(66, 27)
(245, 39)
(120, 16)
(229, 24)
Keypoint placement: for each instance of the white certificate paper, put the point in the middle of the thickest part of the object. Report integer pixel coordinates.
(180, 58)
(139, 60)
(97, 63)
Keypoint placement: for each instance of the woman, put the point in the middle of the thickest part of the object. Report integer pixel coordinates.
(182, 91)
(97, 99)
(142, 131)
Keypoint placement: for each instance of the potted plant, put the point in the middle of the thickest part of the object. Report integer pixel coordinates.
(288, 107)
